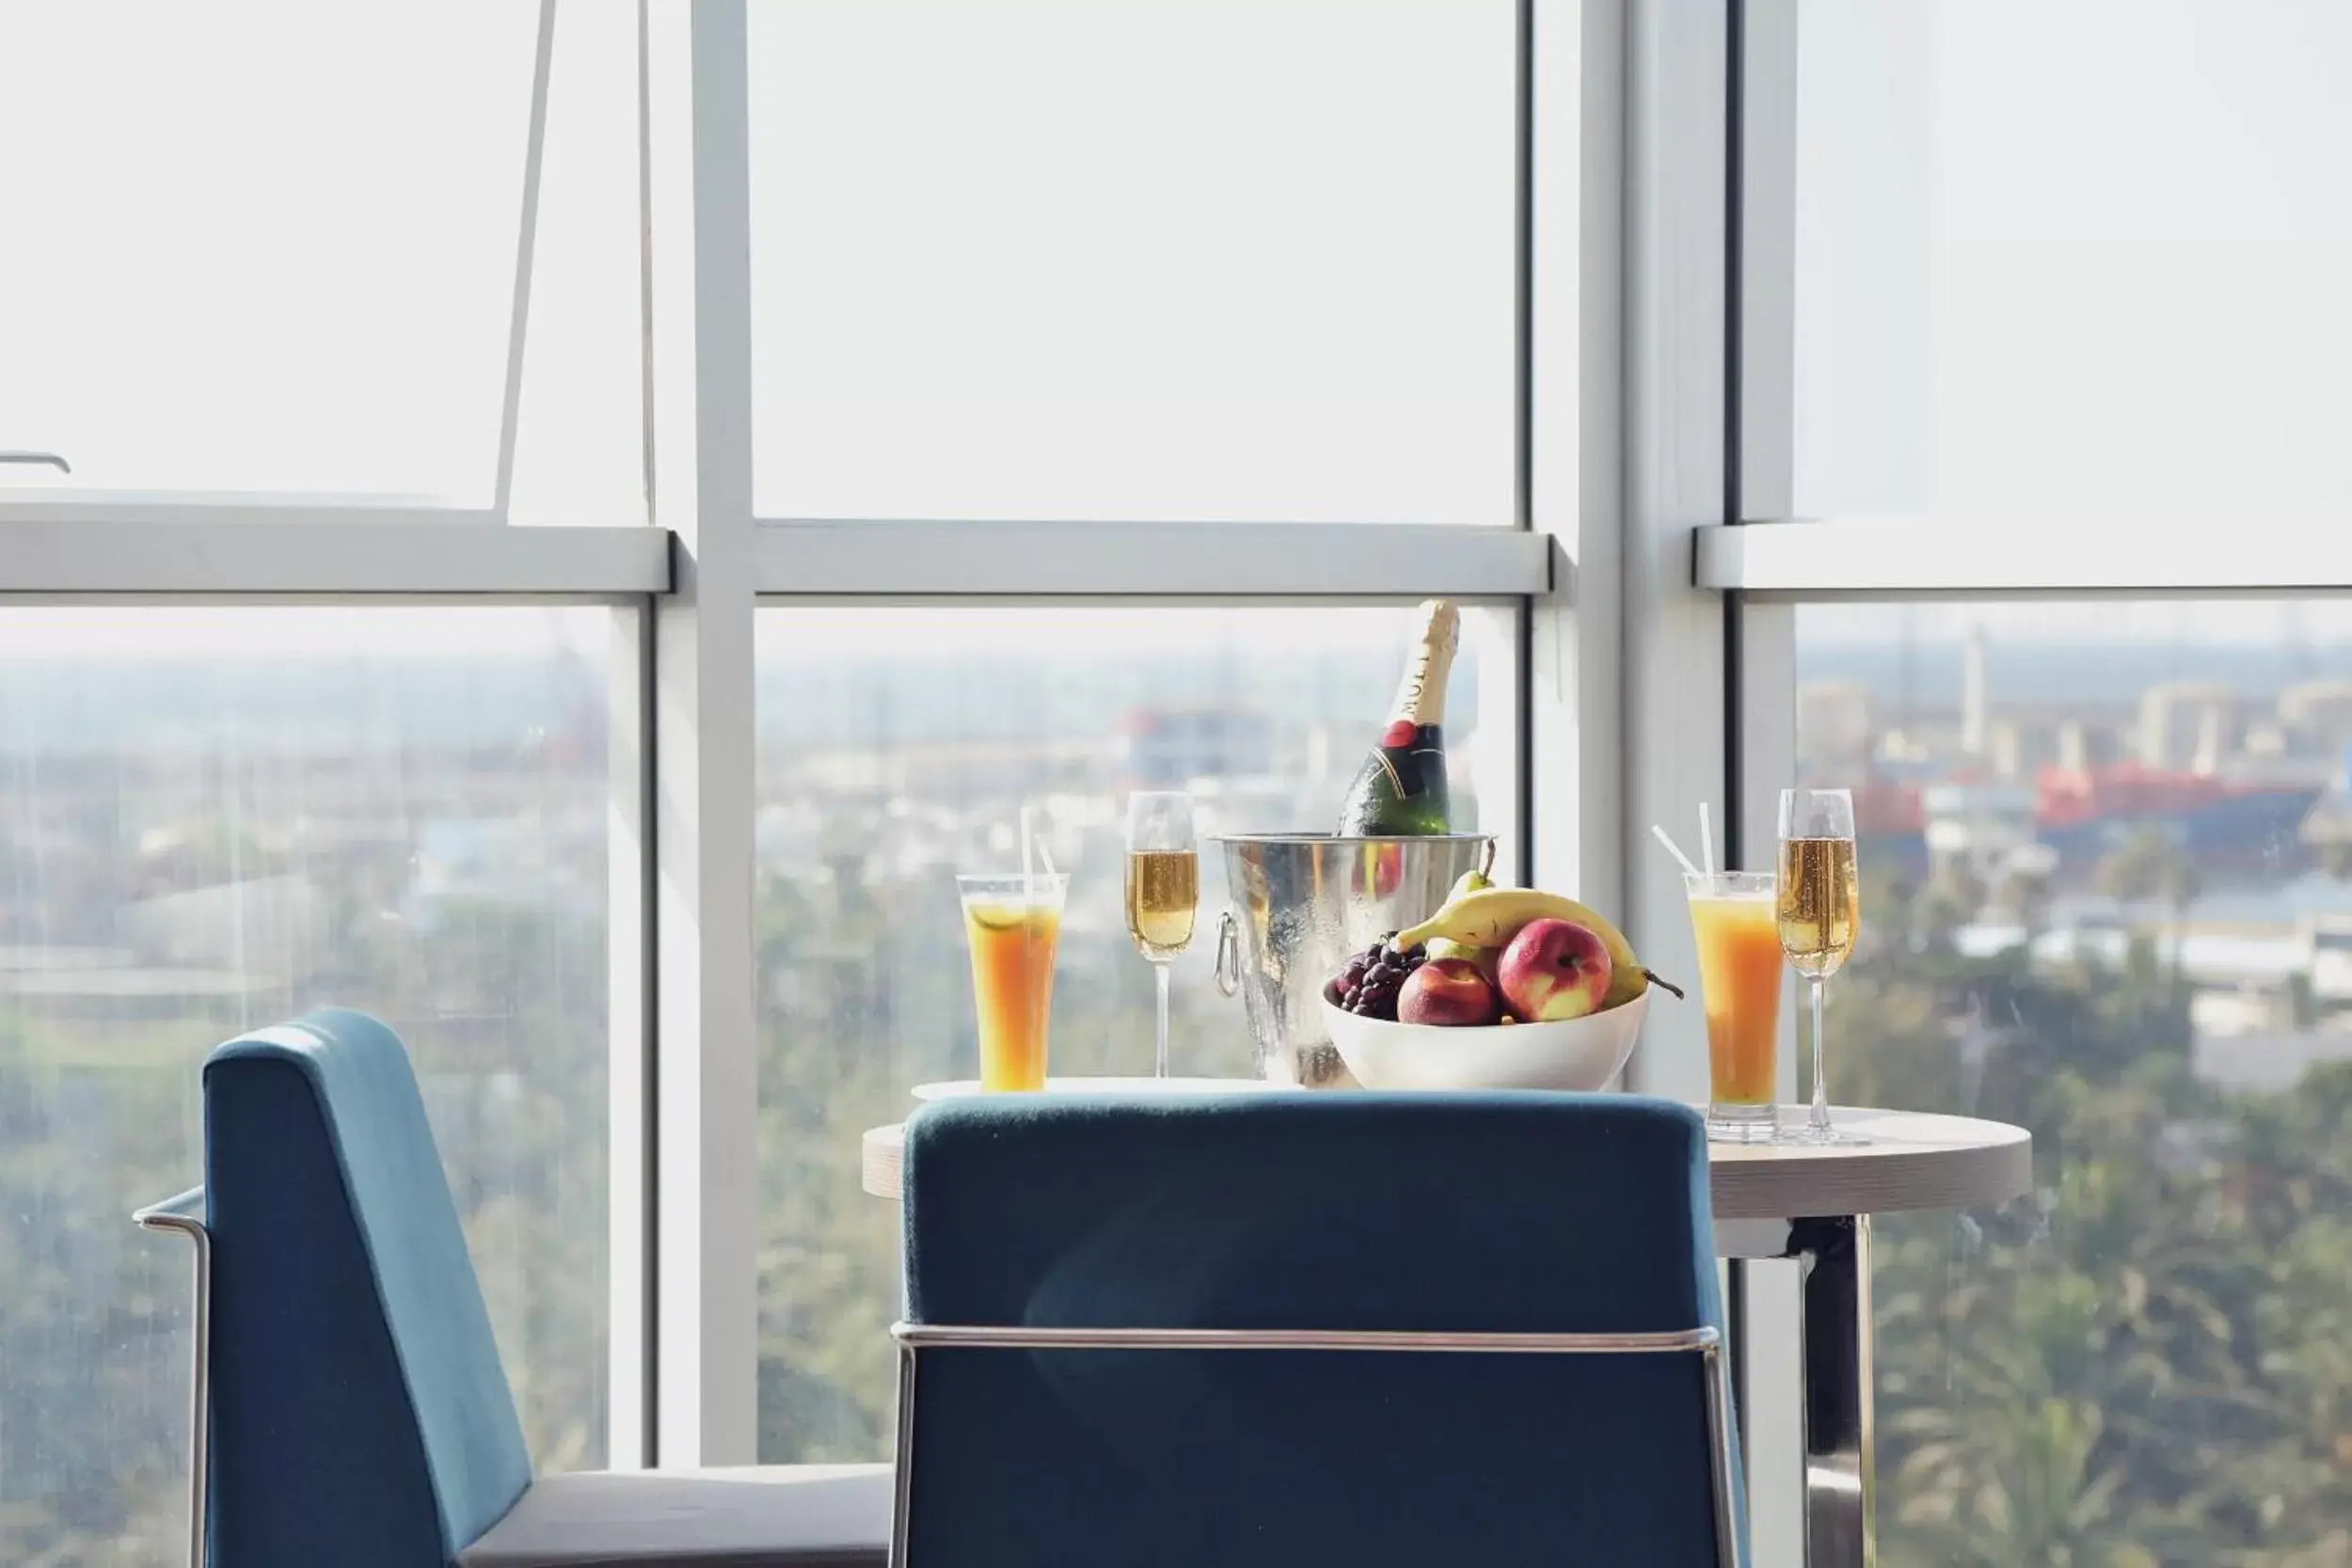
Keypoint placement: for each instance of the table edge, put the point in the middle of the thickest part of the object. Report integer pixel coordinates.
(1790, 1185)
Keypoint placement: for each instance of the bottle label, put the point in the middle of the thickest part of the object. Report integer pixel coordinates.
(1412, 759)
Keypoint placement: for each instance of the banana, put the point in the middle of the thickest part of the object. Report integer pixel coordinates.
(1490, 917)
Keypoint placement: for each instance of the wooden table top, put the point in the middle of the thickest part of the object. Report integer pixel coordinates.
(1913, 1160)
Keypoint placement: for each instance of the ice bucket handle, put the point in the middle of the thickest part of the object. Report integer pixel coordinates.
(1228, 970)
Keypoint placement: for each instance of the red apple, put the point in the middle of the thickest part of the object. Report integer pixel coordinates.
(1555, 969)
(1448, 992)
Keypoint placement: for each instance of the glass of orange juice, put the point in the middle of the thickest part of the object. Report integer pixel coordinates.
(1013, 923)
(1735, 921)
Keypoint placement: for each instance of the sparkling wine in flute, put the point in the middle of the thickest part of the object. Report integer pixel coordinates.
(1163, 884)
(1162, 889)
(1819, 904)
(1401, 788)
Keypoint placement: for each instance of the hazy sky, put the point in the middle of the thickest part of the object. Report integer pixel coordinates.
(813, 632)
(2253, 622)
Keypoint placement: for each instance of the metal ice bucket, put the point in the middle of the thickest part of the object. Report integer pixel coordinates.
(1300, 904)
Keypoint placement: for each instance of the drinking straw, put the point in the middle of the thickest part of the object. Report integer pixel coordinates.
(1028, 868)
(1706, 837)
(1672, 849)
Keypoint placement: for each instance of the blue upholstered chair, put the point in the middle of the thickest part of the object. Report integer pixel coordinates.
(359, 1416)
(1375, 1330)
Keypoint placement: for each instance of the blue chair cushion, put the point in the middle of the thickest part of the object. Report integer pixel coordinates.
(360, 1415)
(1482, 1213)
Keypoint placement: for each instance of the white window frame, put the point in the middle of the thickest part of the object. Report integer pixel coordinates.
(729, 558)
(1593, 557)
(1655, 425)
(1761, 560)
(1657, 622)
(66, 512)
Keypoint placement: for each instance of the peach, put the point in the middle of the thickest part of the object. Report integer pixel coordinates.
(1449, 991)
(1555, 969)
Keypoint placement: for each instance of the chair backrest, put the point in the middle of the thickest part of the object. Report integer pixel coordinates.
(360, 1416)
(1428, 1213)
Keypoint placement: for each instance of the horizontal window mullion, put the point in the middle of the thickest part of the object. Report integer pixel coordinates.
(1847, 557)
(274, 558)
(1110, 560)
(107, 508)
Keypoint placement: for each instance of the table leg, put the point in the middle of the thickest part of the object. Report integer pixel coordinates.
(1840, 1483)
(1736, 1317)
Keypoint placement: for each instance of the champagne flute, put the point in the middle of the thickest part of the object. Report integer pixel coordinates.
(1820, 913)
(1163, 888)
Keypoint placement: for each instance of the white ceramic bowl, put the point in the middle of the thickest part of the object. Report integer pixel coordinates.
(1573, 1054)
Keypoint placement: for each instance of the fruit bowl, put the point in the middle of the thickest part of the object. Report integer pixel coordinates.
(1581, 1053)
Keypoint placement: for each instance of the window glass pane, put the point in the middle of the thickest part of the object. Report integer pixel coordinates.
(215, 819)
(1242, 260)
(580, 438)
(2106, 855)
(2080, 260)
(263, 247)
(895, 748)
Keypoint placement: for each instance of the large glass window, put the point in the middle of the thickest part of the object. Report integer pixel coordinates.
(1155, 259)
(2080, 261)
(263, 246)
(895, 748)
(2105, 852)
(213, 819)
(579, 442)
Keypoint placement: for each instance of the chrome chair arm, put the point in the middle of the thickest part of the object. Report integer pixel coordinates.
(188, 1206)
(187, 1214)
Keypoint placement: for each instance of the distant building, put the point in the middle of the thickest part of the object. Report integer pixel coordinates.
(1168, 747)
(2318, 717)
(1834, 727)
(2187, 726)
(2019, 749)
(2330, 939)
(2326, 828)
(2271, 1063)
(1975, 695)
(952, 769)
(2083, 744)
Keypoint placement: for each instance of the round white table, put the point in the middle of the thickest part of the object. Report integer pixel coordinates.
(1812, 1205)
(1913, 1160)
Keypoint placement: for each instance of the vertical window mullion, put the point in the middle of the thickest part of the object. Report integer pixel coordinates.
(1760, 88)
(697, 191)
(629, 1088)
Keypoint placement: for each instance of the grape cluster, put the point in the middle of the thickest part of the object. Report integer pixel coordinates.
(1368, 987)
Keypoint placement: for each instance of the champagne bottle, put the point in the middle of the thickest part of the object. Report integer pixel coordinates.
(1402, 787)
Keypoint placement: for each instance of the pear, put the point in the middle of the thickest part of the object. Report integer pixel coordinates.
(1473, 880)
